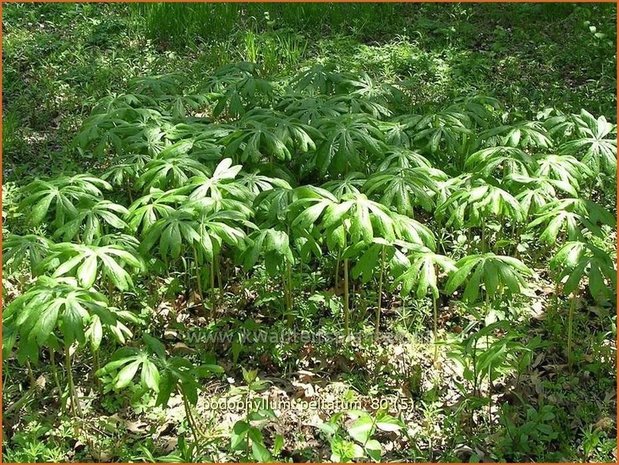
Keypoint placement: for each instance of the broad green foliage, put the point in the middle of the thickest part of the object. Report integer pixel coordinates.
(54, 308)
(498, 275)
(331, 176)
(421, 273)
(577, 261)
(88, 262)
(30, 248)
(478, 201)
(61, 198)
(243, 183)
(158, 372)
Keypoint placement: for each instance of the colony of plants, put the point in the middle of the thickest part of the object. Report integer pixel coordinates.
(257, 241)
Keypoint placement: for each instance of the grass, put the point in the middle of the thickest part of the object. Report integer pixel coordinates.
(529, 56)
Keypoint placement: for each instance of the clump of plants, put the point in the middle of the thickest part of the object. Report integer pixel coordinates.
(208, 182)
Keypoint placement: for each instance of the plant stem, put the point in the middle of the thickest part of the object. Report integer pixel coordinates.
(213, 297)
(95, 358)
(52, 359)
(190, 420)
(435, 326)
(346, 308)
(75, 403)
(288, 284)
(220, 294)
(198, 277)
(570, 329)
(380, 293)
(30, 374)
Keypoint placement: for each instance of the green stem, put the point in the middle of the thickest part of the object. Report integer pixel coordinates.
(220, 294)
(435, 326)
(213, 296)
(570, 329)
(75, 402)
(190, 420)
(33, 381)
(52, 359)
(97, 364)
(380, 293)
(346, 308)
(288, 292)
(337, 272)
(198, 277)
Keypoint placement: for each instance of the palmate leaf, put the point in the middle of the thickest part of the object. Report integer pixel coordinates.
(534, 193)
(522, 134)
(87, 262)
(146, 210)
(158, 85)
(350, 184)
(482, 110)
(268, 135)
(570, 217)
(502, 159)
(171, 168)
(30, 248)
(560, 126)
(158, 372)
(236, 88)
(360, 218)
(439, 133)
(133, 99)
(412, 231)
(58, 198)
(404, 188)
(399, 131)
(396, 157)
(273, 245)
(448, 187)
(180, 105)
(354, 104)
(470, 207)
(577, 261)
(220, 185)
(309, 204)
(150, 136)
(195, 227)
(350, 141)
(256, 183)
(595, 143)
(125, 130)
(126, 173)
(320, 79)
(57, 306)
(310, 109)
(126, 363)
(421, 274)
(499, 274)
(272, 206)
(204, 136)
(351, 220)
(91, 221)
(369, 258)
(564, 168)
(370, 89)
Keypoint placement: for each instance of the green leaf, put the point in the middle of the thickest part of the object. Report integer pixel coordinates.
(150, 375)
(124, 376)
(362, 428)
